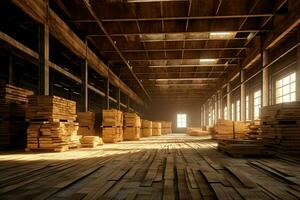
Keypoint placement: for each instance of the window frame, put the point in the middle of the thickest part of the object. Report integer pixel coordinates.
(291, 85)
(256, 104)
(181, 118)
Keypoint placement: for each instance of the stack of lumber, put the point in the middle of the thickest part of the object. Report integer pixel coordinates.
(86, 122)
(112, 123)
(280, 125)
(240, 148)
(227, 129)
(132, 129)
(146, 128)
(91, 141)
(166, 127)
(156, 128)
(196, 131)
(52, 125)
(13, 103)
(253, 131)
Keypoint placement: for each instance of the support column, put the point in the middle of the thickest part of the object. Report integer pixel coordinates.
(118, 99)
(127, 103)
(204, 115)
(10, 70)
(265, 78)
(298, 70)
(44, 55)
(243, 97)
(228, 102)
(107, 94)
(216, 108)
(84, 86)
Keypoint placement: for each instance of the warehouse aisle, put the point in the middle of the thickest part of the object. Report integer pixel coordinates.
(170, 167)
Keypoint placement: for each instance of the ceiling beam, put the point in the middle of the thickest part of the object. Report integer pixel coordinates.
(182, 79)
(113, 43)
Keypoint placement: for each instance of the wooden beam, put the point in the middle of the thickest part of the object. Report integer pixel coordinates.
(60, 30)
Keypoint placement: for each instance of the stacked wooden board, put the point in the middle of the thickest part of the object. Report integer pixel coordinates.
(91, 141)
(280, 125)
(156, 128)
(132, 126)
(227, 129)
(196, 131)
(13, 103)
(112, 123)
(166, 127)
(86, 122)
(52, 125)
(146, 128)
(240, 148)
(254, 130)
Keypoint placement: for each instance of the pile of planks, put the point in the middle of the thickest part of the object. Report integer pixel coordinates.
(166, 127)
(227, 129)
(52, 125)
(196, 131)
(86, 122)
(241, 148)
(13, 103)
(132, 126)
(280, 125)
(146, 128)
(91, 141)
(156, 128)
(253, 131)
(112, 123)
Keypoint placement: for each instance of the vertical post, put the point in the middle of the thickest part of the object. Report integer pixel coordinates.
(118, 99)
(204, 115)
(243, 97)
(107, 93)
(228, 102)
(265, 78)
(216, 108)
(10, 69)
(84, 86)
(298, 69)
(127, 103)
(44, 54)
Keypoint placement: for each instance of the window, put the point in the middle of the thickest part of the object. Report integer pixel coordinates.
(238, 110)
(213, 117)
(286, 89)
(209, 118)
(232, 111)
(181, 120)
(257, 104)
(247, 108)
(225, 112)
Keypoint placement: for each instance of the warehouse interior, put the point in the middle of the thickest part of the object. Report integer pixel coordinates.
(150, 99)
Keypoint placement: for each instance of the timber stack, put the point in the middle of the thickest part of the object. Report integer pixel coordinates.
(146, 128)
(156, 128)
(166, 127)
(196, 131)
(13, 103)
(91, 141)
(227, 129)
(86, 122)
(132, 126)
(112, 126)
(280, 125)
(52, 125)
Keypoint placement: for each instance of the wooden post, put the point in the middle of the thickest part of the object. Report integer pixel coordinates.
(44, 54)
(107, 93)
(127, 104)
(298, 69)
(265, 78)
(10, 70)
(243, 97)
(84, 86)
(228, 102)
(118, 99)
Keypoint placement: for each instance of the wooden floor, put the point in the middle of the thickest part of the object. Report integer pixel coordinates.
(166, 167)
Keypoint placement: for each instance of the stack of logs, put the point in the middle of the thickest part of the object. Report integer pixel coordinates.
(86, 129)
(280, 125)
(166, 127)
(52, 125)
(156, 128)
(132, 126)
(146, 128)
(112, 124)
(13, 103)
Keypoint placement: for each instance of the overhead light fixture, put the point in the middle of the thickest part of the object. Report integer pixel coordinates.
(221, 35)
(208, 60)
